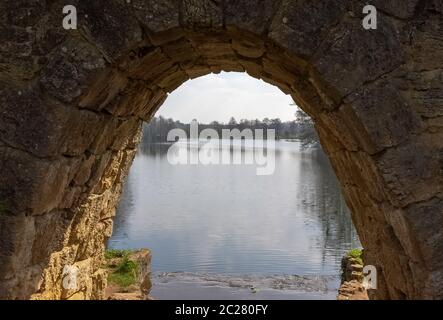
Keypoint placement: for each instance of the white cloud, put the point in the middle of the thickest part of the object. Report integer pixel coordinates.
(220, 96)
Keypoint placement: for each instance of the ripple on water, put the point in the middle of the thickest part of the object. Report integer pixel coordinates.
(189, 285)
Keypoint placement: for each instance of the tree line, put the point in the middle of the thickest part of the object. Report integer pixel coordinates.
(301, 128)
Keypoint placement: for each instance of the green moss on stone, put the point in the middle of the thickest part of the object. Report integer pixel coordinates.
(356, 254)
(124, 274)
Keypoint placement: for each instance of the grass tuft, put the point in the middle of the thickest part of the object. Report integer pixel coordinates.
(115, 253)
(125, 273)
(356, 254)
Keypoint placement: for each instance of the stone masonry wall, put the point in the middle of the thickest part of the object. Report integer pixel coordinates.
(72, 103)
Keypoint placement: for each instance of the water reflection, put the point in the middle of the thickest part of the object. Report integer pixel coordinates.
(226, 219)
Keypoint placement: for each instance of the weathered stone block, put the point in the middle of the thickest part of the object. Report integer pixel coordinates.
(173, 80)
(104, 89)
(409, 171)
(216, 49)
(402, 9)
(157, 15)
(362, 111)
(51, 178)
(422, 88)
(24, 120)
(22, 13)
(427, 44)
(202, 13)
(150, 66)
(180, 51)
(133, 101)
(278, 72)
(251, 15)
(351, 56)
(249, 49)
(339, 129)
(70, 69)
(253, 68)
(27, 33)
(45, 243)
(110, 25)
(16, 59)
(196, 69)
(301, 26)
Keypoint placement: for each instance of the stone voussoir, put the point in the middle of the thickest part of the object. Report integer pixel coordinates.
(72, 103)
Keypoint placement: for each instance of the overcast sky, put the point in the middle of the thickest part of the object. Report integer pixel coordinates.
(220, 96)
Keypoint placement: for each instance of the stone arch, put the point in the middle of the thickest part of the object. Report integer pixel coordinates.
(72, 103)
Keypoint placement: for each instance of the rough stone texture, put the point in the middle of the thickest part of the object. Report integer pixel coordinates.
(352, 287)
(72, 103)
(352, 290)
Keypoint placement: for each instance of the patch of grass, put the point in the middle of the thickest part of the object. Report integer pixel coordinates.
(125, 273)
(356, 254)
(122, 280)
(114, 253)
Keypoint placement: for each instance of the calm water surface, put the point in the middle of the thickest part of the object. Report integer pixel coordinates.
(206, 222)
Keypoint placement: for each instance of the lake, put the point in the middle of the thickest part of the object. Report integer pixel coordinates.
(221, 231)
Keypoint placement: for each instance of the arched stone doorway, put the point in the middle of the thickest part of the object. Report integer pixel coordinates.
(72, 103)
